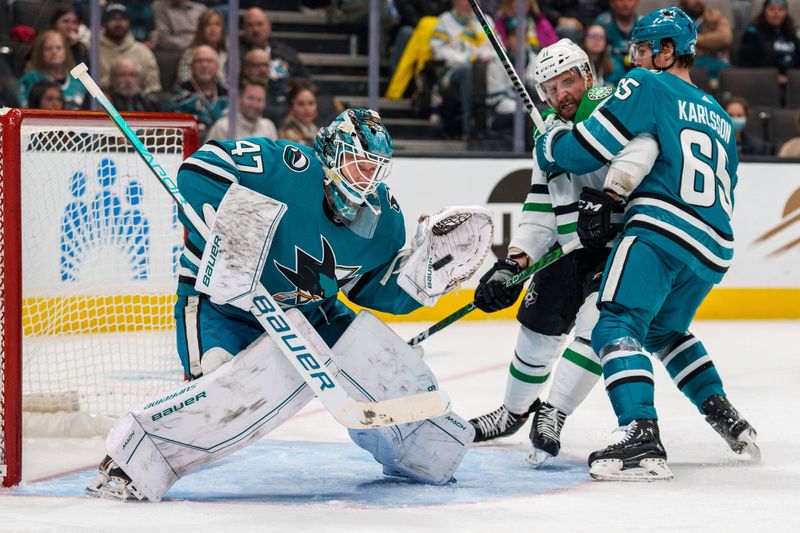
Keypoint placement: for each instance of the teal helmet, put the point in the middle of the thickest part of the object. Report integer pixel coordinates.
(356, 156)
(668, 23)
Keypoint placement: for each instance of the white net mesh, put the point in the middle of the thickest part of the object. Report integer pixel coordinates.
(100, 244)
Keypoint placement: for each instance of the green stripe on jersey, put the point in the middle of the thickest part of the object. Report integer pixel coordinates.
(525, 377)
(540, 208)
(568, 228)
(583, 362)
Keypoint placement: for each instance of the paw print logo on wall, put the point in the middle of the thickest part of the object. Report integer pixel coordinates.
(104, 218)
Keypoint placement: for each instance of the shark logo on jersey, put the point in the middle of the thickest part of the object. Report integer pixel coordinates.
(314, 279)
(392, 201)
(295, 159)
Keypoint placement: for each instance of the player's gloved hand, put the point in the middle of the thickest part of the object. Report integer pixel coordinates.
(594, 218)
(492, 294)
(544, 148)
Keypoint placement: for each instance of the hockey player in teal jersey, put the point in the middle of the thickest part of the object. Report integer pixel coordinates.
(331, 225)
(676, 243)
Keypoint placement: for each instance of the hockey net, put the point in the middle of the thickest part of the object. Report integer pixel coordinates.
(89, 244)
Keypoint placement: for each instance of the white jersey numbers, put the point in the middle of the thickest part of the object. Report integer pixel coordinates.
(247, 147)
(699, 180)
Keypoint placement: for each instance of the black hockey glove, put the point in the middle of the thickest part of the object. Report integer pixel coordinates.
(492, 294)
(594, 218)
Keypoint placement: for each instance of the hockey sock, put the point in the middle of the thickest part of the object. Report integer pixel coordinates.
(577, 372)
(692, 370)
(628, 377)
(530, 369)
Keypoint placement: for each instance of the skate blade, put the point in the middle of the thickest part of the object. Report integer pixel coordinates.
(648, 470)
(538, 458)
(750, 448)
(106, 488)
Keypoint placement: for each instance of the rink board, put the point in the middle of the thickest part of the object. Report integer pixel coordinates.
(303, 473)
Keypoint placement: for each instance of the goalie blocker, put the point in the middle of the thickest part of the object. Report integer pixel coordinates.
(244, 399)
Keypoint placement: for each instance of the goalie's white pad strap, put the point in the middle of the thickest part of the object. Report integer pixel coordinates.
(376, 364)
(631, 165)
(234, 256)
(447, 249)
(211, 417)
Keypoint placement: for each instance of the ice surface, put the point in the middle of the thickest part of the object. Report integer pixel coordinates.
(308, 476)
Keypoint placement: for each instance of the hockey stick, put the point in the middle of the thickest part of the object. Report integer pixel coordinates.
(501, 54)
(544, 261)
(303, 357)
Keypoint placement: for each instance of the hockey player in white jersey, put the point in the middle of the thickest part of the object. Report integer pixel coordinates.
(561, 298)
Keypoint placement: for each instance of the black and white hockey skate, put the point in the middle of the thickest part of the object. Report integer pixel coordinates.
(112, 483)
(546, 434)
(639, 456)
(726, 420)
(500, 423)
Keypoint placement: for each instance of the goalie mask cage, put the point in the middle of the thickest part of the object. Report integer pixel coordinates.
(89, 247)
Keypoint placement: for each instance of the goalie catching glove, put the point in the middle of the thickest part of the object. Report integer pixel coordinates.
(492, 294)
(447, 249)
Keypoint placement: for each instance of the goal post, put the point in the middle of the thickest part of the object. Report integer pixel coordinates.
(89, 249)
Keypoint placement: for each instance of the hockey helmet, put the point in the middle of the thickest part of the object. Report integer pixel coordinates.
(668, 23)
(558, 58)
(356, 156)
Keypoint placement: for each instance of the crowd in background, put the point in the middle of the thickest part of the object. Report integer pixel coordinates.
(277, 97)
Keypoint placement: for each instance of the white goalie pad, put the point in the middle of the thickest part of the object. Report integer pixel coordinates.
(447, 249)
(234, 256)
(376, 364)
(211, 417)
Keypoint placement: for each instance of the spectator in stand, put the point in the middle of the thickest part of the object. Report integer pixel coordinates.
(284, 61)
(257, 31)
(608, 70)
(410, 12)
(459, 42)
(203, 95)
(176, 23)
(299, 126)
(249, 122)
(116, 40)
(570, 17)
(126, 88)
(46, 94)
(539, 31)
(771, 41)
(714, 36)
(64, 19)
(256, 65)
(211, 32)
(618, 22)
(142, 25)
(791, 148)
(49, 62)
(746, 144)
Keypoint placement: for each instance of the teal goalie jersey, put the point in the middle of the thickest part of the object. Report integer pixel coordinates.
(685, 204)
(312, 256)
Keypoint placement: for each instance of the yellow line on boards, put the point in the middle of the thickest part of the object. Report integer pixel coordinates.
(148, 312)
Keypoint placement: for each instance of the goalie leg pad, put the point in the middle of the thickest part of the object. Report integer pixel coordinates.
(210, 417)
(378, 365)
(447, 249)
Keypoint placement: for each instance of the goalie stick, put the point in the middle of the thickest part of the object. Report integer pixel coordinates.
(544, 261)
(345, 409)
(509, 68)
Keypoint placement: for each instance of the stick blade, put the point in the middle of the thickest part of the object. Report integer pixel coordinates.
(361, 415)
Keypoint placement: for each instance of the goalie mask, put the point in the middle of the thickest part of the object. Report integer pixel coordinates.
(355, 152)
(556, 59)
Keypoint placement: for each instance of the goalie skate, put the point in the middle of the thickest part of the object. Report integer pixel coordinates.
(500, 423)
(639, 456)
(112, 483)
(545, 435)
(737, 432)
